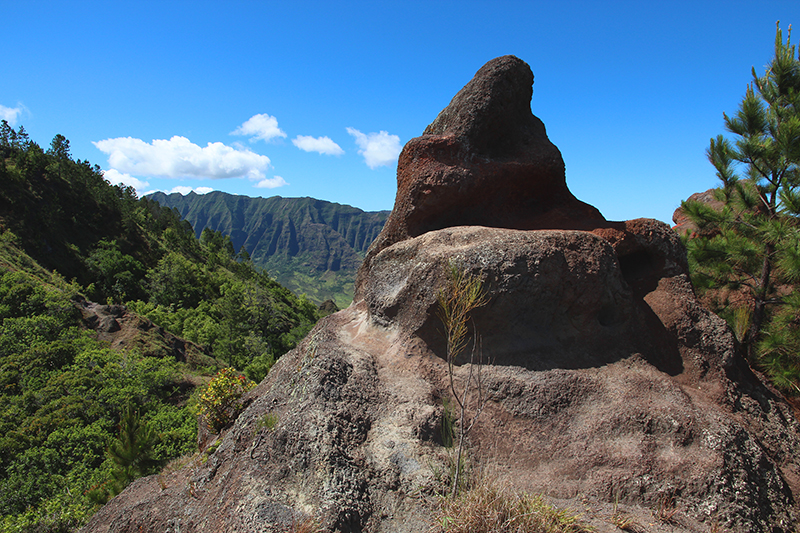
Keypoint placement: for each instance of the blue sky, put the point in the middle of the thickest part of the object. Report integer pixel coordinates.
(317, 98)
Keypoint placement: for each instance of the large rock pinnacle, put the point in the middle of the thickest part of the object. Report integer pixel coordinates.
(484, 161)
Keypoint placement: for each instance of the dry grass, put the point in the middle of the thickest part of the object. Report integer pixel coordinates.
(488, 507)
(308, 525)
(667, 509)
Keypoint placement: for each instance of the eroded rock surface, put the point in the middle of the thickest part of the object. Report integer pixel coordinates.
(682, 222)
(609, 386)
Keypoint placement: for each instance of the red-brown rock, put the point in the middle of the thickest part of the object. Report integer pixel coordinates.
(683, 224)
(485, 161)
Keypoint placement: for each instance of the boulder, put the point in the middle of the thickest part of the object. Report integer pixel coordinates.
(606, 385)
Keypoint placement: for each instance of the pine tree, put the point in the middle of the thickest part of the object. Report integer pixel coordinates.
(131, 452)
(752, 244)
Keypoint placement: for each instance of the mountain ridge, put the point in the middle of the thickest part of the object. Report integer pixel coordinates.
(309, 245)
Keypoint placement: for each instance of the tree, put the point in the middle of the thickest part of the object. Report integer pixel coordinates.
(752, 244)
(463, 294)
(59, 148)
(131, 454)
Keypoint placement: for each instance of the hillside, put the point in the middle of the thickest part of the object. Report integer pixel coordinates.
(310, 246)
(98, 374)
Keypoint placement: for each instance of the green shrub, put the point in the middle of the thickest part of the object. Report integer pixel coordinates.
(217, 404)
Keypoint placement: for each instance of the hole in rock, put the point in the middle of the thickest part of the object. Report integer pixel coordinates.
(636, 266)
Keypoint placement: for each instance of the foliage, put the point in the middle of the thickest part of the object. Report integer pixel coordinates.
(122, 249)
(217, 404)
(751, 246)
(131, 454)
(60, 397)
(61, 209)
(117, 275)
(463, 294)
(489, 508)
(66, 435)
(309, 246)
(244, 319)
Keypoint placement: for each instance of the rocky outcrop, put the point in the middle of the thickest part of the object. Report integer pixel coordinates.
(485, 161)
(610, 388)
(124, 330)
(684, 225)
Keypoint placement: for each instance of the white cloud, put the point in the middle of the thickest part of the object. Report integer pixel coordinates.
(271, 183)
(116, 177)
(10, 114)
(322, 145)
(183, 189)
(180, 158)
(261, 126)
(378, 149)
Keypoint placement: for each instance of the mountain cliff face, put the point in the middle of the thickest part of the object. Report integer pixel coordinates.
(310, 246)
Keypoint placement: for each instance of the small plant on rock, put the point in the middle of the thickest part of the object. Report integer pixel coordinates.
(268, 422)
(463, 294)
(217, 404)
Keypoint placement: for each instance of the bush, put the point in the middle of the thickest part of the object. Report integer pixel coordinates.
(217, 404)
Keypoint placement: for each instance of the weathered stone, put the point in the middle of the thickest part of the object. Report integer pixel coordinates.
(485, 161)
(558, 298)
(683, 225)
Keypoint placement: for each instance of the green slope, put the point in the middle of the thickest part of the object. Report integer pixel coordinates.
(74, 373)
(310, 246)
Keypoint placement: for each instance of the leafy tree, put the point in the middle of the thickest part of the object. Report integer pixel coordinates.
(119, 275)
(177, 281)
(752, 244)
(59, 147)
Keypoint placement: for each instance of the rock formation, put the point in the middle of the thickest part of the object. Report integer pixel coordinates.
(125, 330)
(682, 222)
(608, 386)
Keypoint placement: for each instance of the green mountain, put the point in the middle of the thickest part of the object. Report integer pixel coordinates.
(310, 246)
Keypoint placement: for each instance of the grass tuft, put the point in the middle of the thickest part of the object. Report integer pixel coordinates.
(488, 507)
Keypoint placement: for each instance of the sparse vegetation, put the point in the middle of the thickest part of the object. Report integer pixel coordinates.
(490, 508)
(268, 421)
(463, 294)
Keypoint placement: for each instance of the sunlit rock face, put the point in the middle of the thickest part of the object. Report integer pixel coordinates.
(484, 161)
